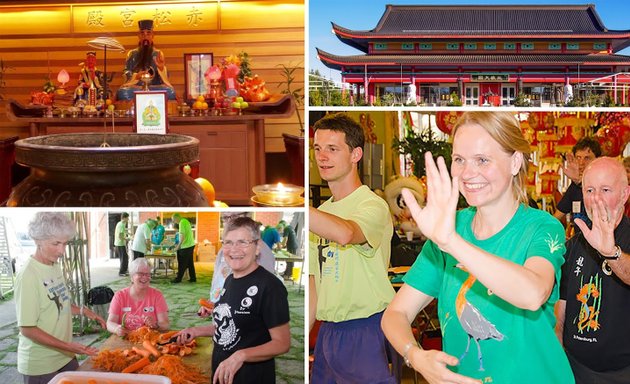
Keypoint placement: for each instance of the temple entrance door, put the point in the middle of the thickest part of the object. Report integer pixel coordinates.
(508, 93)
(472, 95)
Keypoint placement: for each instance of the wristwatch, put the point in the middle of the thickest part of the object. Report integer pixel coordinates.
(614, 256)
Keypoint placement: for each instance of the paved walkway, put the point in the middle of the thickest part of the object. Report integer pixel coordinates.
(182, 301)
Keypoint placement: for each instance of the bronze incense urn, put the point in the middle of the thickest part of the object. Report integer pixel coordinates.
(107, 170)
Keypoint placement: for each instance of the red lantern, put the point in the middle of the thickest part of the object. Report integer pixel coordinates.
(446, 120)
(570, 138)
(541, 121)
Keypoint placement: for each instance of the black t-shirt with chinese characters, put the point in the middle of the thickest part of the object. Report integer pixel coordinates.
(596, 331)
(247, 309)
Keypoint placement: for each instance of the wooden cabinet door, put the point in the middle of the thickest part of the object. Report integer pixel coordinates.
(225, 158)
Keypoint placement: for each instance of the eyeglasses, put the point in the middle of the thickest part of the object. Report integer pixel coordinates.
(142, 274)
(238, 243)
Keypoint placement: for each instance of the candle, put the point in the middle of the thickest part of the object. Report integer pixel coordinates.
(281, 195)
(278, 194)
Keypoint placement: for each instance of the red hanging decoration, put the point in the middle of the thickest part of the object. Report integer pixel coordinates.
(609, 141)
(541, 121)
(446, 120)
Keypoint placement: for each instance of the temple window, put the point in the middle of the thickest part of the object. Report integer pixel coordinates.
(528, 46)
(509, 46)
(600, 46)
(573, 46)
(490, 46)
(426, 46)
(555, 46)
(470, 46)
(407, 46)
(452, 46)
(380, 46)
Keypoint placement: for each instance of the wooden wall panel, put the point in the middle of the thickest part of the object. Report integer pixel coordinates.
(271, 32)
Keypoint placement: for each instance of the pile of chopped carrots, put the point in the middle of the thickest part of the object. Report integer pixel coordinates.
(115, 360)
(137, 336)
(148, 358)
(129, 361)
(175, 369)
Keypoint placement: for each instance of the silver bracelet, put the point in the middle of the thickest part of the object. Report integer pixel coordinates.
(405, 354)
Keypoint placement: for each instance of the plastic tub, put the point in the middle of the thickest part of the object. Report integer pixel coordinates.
(82, 377)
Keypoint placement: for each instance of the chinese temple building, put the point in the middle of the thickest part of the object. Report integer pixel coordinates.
(485, 54)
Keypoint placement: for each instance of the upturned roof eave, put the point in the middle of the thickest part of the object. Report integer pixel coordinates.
(336, 62)
(367, 35)
(360, 39)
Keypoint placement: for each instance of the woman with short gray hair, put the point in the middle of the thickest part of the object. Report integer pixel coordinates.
(139, 304)
(44, 305)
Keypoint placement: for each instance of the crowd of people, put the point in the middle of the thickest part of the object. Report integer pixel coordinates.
(245, 340)
(516, 303)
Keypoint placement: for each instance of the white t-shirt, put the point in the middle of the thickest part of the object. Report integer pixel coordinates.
(143, 233)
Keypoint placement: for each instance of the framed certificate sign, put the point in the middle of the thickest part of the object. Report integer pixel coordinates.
(150, 112)
(195, 67)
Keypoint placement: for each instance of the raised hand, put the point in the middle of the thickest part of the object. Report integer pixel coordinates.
(601, 235)
(571, 170)
(437, 219)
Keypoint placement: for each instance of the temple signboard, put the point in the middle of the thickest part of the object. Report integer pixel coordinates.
(481, 77)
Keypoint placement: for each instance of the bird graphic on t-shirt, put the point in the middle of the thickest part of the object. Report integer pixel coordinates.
(473, 322)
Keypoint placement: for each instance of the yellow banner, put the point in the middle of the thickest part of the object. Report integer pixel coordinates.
(107, 19)
(170, 17)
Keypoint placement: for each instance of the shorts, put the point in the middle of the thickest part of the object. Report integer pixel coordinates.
(354, 351)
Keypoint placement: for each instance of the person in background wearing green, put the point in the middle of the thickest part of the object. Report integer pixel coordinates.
(185, 249)
(120, 243)
(289, 241)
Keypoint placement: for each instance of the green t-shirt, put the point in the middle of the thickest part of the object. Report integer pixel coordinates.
(186, 234)
(42, 300)
(351, 280)
(120, 238)
(514, 345)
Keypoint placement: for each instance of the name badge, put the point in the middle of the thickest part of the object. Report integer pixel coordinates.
(577, 207)
(126, 309)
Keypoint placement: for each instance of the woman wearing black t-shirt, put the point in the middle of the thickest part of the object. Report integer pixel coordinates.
(251, 319)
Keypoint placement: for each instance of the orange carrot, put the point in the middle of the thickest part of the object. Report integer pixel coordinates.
(138, 365)
(151, 348)
(207, 304)
(167, 335)
(141, 352)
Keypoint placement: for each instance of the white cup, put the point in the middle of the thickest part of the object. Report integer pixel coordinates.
(409, 235)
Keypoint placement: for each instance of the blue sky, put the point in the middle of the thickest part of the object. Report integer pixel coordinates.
(364, 14)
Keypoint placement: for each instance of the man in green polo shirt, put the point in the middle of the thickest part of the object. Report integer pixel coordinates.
(185, 249)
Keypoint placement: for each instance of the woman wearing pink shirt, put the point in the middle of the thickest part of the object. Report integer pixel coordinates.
(139, 304)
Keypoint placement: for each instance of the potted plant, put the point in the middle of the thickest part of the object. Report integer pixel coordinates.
(296, 94)
(416, 144)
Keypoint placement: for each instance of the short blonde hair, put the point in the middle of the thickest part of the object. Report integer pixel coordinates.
(505, 129)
